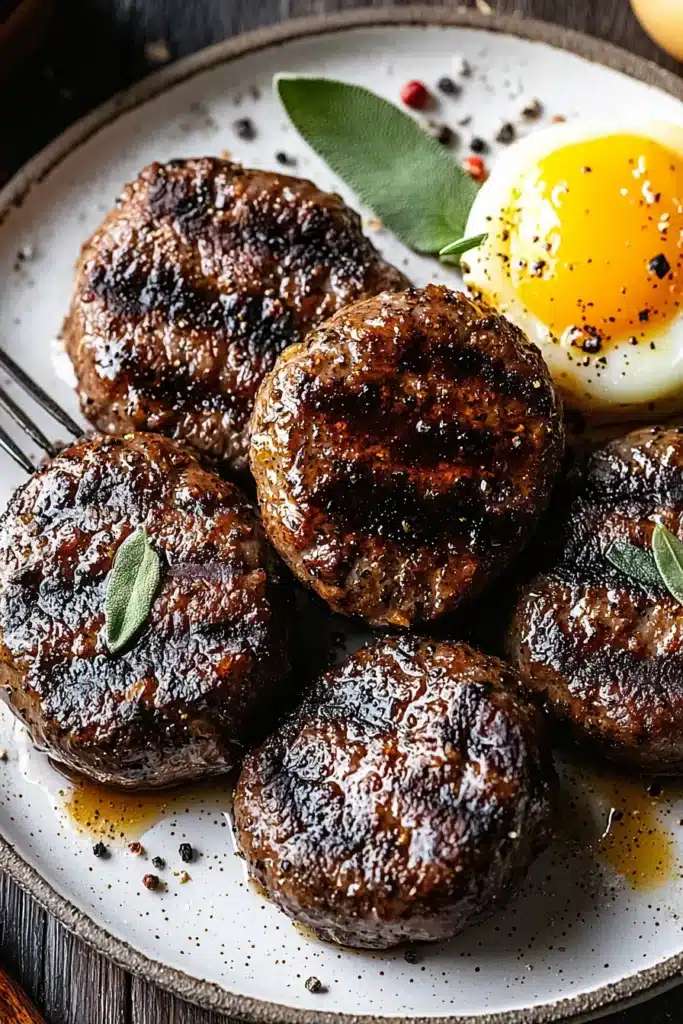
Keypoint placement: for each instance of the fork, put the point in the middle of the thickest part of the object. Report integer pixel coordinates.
(24, 421)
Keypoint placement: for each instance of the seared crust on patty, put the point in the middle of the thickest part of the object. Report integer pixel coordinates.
(193, 285)
(604, 652)
(404, 800)
(404, 452)
(197, 683)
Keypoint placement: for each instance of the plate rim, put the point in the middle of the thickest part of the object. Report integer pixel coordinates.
(608, 998)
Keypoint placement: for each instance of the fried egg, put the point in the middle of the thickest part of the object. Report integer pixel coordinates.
(585, 253)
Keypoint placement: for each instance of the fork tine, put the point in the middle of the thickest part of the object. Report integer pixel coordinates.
(26, 423)
(13, 450)
(40, 396)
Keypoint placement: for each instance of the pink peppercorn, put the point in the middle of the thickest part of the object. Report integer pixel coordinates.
(475, 167)
(414, 94)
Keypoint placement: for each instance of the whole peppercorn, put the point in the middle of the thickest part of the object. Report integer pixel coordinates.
(477, 145)
(159, 863)
(414, 94)
(151, 882)
(659, 265)
(592, 344)
(284, 158)
(136, 848)
(186, 853)
(314, 985)
(441, 132)
(531, 109)
(410, 956)
(100, 850)
(506, 133)
(244, 129)
(475, 167)
(448, 86)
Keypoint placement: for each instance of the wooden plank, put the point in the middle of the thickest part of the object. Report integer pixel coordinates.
(81, 987)
(150, 1006)
(22, 939)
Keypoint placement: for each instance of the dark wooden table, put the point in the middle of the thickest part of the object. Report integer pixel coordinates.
(94, 48)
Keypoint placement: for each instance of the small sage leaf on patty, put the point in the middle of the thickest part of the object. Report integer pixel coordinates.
(634, 562)
(462, 245)
(403, 174)
(668, 552)
(132, 584)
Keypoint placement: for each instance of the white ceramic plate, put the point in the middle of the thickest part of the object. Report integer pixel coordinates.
(580, 938)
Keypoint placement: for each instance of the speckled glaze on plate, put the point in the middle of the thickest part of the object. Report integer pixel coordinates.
(580, 940)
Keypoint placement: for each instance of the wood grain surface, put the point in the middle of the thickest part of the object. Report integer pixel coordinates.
(95, 48)
(15, 1007)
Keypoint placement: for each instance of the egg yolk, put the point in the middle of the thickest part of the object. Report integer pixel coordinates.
(593, 240)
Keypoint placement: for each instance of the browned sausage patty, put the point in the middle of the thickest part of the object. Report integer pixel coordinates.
(195, 283)
(404, 452)
(404, 801)
(197, 683)
(605, 652)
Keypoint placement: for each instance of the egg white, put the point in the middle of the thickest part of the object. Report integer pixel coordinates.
(632, 379)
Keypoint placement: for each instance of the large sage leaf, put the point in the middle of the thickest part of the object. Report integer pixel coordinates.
(404, 175)
(668, 552)
(131, 587)
(463, 245)
(635, 562)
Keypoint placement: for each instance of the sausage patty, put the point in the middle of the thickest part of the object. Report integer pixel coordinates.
(194, 686)
(404, 452)
(604, 652)
(195, 283)
(404, 801)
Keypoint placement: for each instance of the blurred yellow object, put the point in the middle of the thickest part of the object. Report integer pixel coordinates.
(663, 20)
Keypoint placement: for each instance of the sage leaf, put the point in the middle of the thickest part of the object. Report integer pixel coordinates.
(463, 245)
(668, 552)
(132, 584)
(392, 164)
(635, 562)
